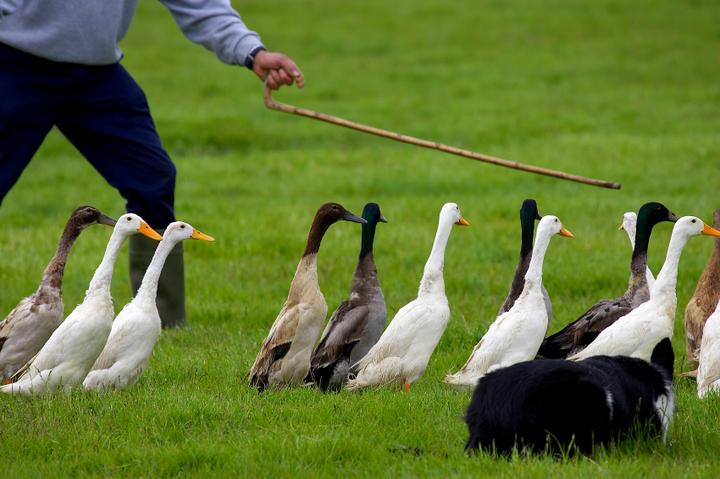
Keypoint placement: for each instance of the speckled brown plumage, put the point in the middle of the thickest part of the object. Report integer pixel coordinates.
(29, 325)
(357, 324)
(703, 301)
(284, 358)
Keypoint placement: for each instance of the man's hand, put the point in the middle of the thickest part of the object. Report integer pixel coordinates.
(278, 68)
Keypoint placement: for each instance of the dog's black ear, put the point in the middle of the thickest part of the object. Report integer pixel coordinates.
(663, 356)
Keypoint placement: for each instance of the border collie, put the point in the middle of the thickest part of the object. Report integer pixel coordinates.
(556, 405)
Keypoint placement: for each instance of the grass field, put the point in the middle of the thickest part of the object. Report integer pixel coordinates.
(626, 91)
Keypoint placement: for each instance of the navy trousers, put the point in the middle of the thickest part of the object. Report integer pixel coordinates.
(101, 111)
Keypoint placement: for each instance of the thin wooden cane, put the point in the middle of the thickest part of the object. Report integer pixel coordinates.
(271, 104)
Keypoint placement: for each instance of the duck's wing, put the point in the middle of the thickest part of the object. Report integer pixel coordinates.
(695, 318)
(22, 371)
(344, 331)
(577, 335)
(59, 346)
(399, 335)
(492, 345)
(708, 371)
(276, 345)
(116, 343)
(518, 283)
(22, 310)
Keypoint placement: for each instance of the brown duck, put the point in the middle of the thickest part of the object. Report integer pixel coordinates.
(26, 329)
(284, 358)
(357, 324)
(703, 302)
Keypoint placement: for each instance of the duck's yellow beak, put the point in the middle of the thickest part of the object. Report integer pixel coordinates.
(566, 233)
(710, 231)
(462, 222)
(149, 232)
(197, 235)
(621, 227)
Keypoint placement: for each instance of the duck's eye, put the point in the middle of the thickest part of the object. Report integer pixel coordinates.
(129, 219)
(694, 221)
(556, 220)
(182, 226)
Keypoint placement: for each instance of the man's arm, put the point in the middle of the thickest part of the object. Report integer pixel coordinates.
(215, 25)
(8, 6)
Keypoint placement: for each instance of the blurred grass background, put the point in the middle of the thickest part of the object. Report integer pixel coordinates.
(625, 91)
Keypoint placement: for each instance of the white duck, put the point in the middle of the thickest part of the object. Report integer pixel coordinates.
(402, 353)
(637, 333)
(708, 373)
(26, 329)
(137, 328)
(516, 335)
(629, 223)
(67, 356)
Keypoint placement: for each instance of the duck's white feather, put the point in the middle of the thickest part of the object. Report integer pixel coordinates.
(402, 353)
(68, 355)
(517, 334)
(137, 328)
(637, 333)
(128, 349)
(708, 374)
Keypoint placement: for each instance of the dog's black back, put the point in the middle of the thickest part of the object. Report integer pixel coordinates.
(556, 405)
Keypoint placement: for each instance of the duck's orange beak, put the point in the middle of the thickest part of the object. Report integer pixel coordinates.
(710, 231)
(565, 233)
(198, 235)
(462, 222)
(149, 232)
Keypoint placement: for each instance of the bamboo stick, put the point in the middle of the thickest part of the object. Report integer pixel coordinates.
(271, 104)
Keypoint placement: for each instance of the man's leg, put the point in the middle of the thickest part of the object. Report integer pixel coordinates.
(109, 122)
(26, 113)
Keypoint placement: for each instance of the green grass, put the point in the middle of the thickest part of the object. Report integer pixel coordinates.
(625, 91)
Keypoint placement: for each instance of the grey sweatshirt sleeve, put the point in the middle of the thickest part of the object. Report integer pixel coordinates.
(215, 25)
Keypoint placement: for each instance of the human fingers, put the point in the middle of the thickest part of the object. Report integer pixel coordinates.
(285, 78)
(271, 80)
(292, 69)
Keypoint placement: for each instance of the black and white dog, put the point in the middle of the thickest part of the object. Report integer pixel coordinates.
(557, 405)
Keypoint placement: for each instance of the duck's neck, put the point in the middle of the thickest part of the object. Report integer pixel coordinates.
(432, 281)
(365, 277)
(526, 226)
(526, 249)
(631, 231)
(365, 272)
(667, 278)
(368, 238)
(306, 272)
(711, 274)
(317, 231)
(533, 277)
(637, 285)
(707, 290)
(102, 278)
(148, 287)
(306, 277)
(53, 274)
(518, 281)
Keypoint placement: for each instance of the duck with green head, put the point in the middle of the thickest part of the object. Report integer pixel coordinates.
(574, 337)
(358, 322)
(528, 214)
